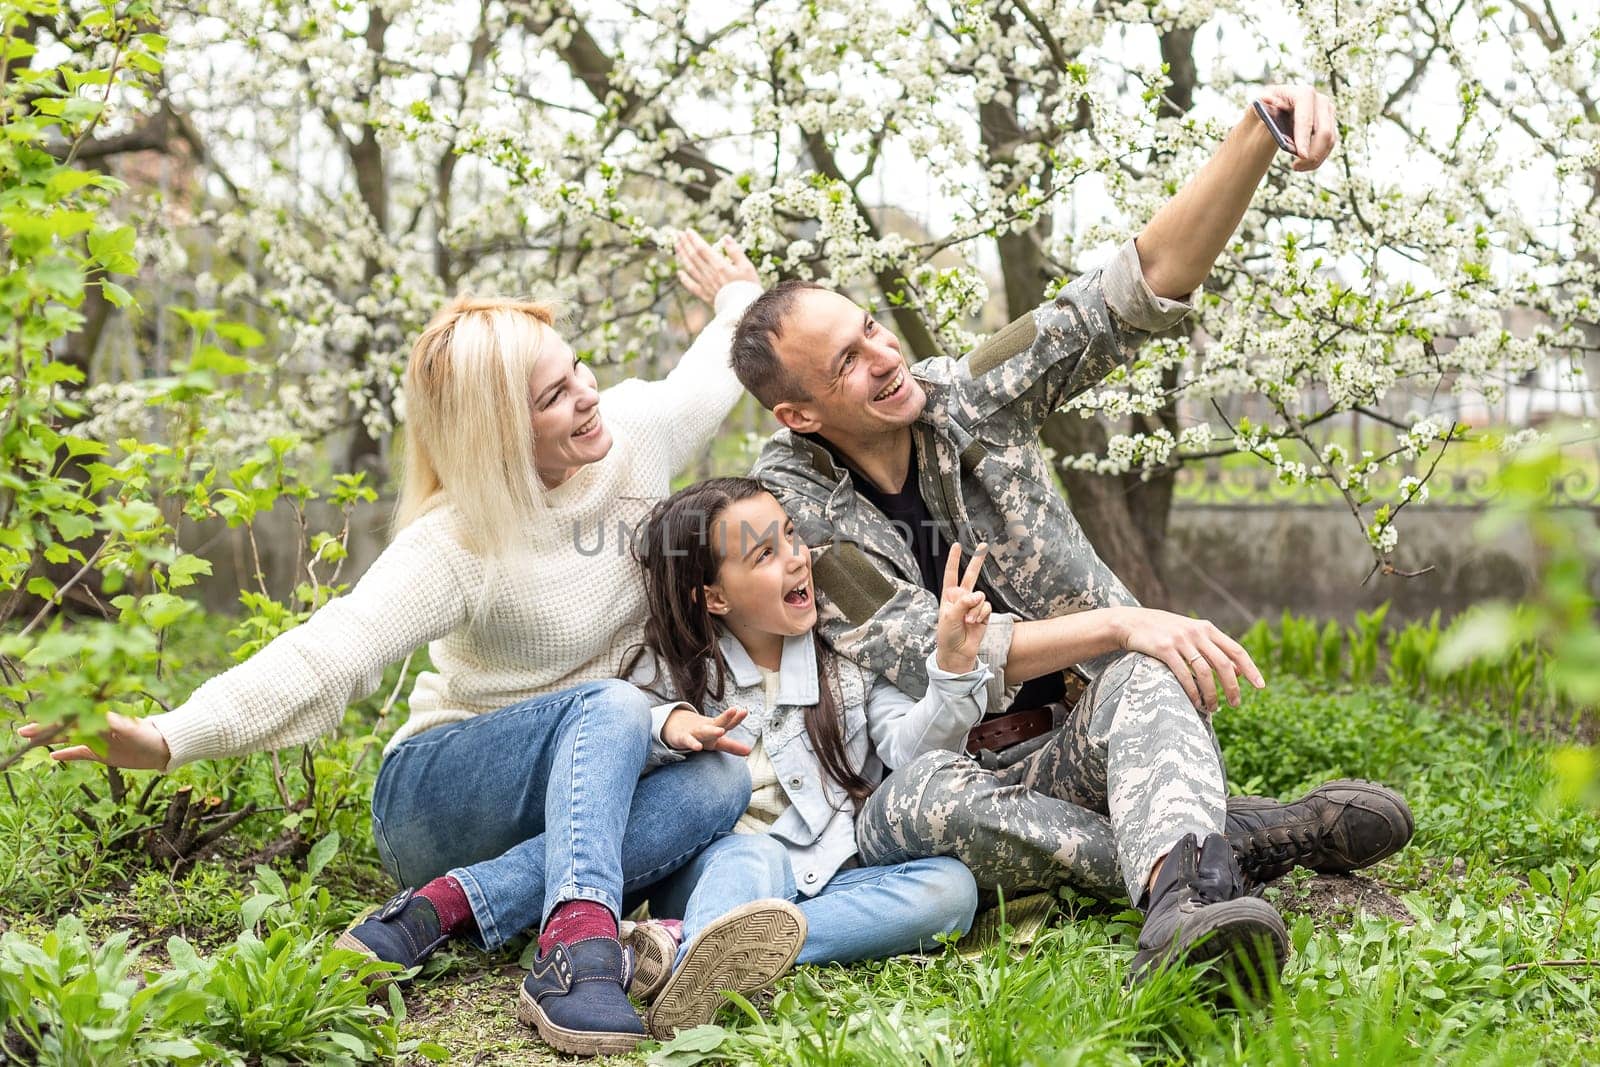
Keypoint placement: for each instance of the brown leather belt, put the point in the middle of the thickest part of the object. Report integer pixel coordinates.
(1013, 728)
(1003, 731)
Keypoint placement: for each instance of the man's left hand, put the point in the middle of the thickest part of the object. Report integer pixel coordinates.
(1314, 132)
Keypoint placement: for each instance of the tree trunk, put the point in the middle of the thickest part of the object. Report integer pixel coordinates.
(1104, 508)
(365, 452)
(1125, 518)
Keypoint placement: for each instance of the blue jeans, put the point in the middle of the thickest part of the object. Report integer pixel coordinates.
(861, 914)
(541, 802)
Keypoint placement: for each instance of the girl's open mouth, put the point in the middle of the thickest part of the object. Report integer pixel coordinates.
(588, 427)
(800, 596)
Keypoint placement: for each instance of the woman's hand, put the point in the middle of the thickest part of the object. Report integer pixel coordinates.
(1193, 649)
(963, 614)
(687, 730)
(703, 271)
(131, 744)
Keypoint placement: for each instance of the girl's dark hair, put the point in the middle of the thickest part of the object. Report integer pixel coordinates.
(676, 549)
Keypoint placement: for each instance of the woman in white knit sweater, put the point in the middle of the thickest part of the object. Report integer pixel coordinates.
(511, 799)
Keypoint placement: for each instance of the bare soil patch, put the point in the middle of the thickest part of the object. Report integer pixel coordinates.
(1335, 899)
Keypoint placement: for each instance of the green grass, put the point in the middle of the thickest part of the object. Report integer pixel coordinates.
(1440, 956)
(1444, 954)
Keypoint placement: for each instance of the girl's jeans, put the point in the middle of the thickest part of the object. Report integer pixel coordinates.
(862, 913)
(542, 802)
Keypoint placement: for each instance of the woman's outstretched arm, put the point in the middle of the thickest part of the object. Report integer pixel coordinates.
(298, 686)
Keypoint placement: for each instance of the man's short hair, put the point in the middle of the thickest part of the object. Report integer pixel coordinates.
(755, 353)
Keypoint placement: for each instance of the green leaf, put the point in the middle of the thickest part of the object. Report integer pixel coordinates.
(42, 587)
(349, 1042)
(177, 1048)
(183, 570)
(254, 908)
(214, 359)
(68, 180)
(240, 334)
(70, 526)
(199, 319)
(131, 516)
(114, 248)
(84, 446)
(183, 955)
(55, 372)
(80, 109)
(115, 294)
(14, 48)
(161, 610)
(60, 276)
(321, 853)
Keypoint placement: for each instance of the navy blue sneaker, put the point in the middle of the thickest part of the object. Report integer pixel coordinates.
(404, 930)
(574, 998)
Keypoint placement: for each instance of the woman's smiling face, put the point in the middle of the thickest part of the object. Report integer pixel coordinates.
(568, 431)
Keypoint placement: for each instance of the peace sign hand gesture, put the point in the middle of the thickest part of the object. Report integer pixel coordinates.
(963, 614)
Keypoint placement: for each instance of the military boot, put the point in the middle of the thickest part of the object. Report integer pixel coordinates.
(1336, 828)
(1198, 910)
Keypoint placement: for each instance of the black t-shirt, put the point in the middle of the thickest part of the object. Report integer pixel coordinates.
(909, 514)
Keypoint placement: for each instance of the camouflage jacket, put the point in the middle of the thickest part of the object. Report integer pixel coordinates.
(984, 477)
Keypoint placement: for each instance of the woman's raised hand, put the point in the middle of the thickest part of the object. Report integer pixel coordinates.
(963, 614)
(131, 744)
(704, 270)
(689, 731)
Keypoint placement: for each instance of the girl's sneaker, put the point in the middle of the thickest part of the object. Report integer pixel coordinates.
(652, 946)
(744, 951)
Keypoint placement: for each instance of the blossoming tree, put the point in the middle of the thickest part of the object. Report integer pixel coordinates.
(949, 163)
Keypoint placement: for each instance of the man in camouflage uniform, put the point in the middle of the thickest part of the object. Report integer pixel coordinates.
(882, 466)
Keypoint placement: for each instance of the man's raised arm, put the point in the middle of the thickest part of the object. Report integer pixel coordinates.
(1098, 322)
(1179, 246)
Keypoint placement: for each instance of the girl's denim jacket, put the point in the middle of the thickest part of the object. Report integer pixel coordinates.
(883, 728)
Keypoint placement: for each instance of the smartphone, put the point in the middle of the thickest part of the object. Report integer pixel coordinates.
(1280, 127)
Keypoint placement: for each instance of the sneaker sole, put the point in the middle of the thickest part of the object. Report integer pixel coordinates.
(573, 1042)
(347, 938)
(653, 949)
(743, 952)
(1232, 932)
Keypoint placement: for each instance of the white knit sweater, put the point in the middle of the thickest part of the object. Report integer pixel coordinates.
(562, 609)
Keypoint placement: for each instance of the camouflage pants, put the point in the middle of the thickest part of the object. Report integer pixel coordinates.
(1095, 804)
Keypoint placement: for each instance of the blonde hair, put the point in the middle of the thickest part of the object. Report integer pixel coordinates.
(467, 431)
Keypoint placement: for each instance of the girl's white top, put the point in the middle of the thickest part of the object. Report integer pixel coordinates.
(882, 728)
(559, 610)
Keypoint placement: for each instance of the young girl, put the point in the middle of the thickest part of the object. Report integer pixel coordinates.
(730, 634)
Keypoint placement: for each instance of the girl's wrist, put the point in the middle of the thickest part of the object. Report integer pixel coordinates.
(669, 734)
(955, 664)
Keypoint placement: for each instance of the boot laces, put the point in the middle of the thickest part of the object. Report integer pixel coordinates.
(1279, 845)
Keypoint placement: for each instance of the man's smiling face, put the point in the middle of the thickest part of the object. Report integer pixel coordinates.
(857, 383)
